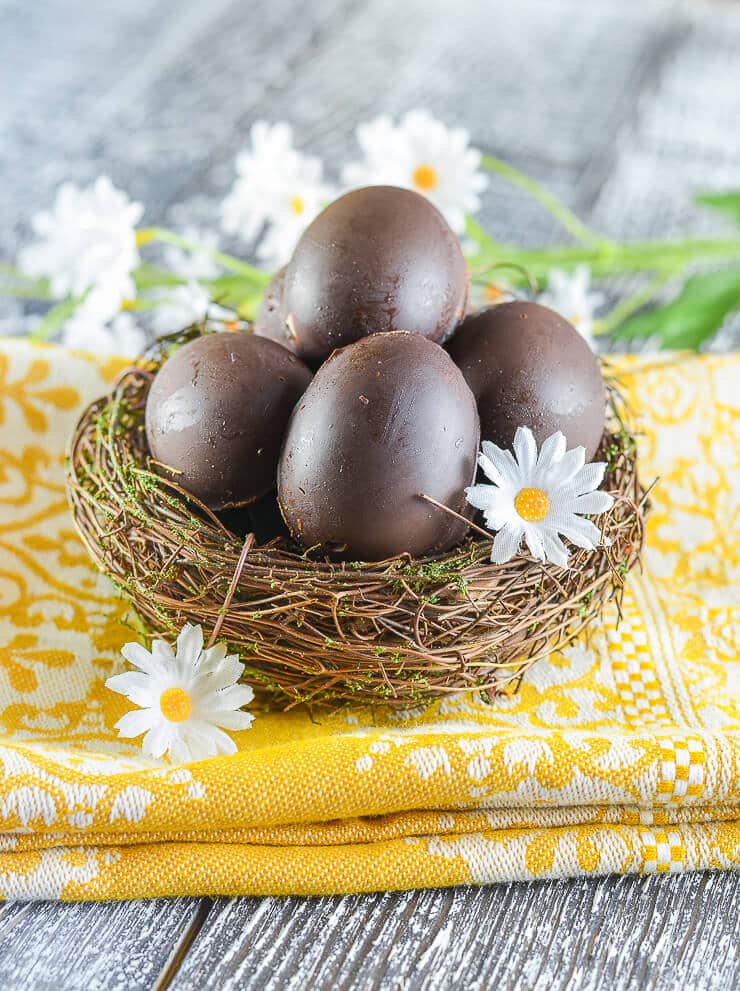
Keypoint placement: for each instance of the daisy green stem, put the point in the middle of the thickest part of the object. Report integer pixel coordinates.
(147, 234)
(611, 258)
(632, 304)
(551, 203)
(13, 282)
(55, 317)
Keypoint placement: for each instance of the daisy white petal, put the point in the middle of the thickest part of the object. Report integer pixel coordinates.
(204, 740)
(555, 550)
(135, 723)
(525, 450)
(141, 658)
(589, 477)
(567, 467)
(581, 532)
(552, 450)
(506, 543)
(533, 538)
(233, 697)
(135, 685)
(498, 466)
(234, 720)
(482, 497)
(228, 671)
(592, 503)
(157, 741)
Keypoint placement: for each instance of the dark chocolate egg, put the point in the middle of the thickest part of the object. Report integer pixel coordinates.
(529, 367)
(385, 419)
(377, 259)
(216, 415)
(269, 321)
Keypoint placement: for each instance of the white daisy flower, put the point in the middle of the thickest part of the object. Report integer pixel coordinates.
(570, 295)
(180, 306)
(86, 243)
(278, 190)
(186, 699)
(193, 264)
(539, 497)
(121, 337)
(420, 153)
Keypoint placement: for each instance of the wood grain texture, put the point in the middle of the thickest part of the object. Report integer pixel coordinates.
(621, 933)
(623, 109)
(118, 946)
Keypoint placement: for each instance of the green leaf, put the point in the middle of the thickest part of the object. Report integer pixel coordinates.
(55, 317)
(544, 197)
(691, 318)
(14, 283)
(486, 244)
(727, 203)
(148, 276)
(232, 291)
(231, 264)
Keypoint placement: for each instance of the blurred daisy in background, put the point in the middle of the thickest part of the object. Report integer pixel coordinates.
(537, 498)
(180, 306)
(570, 295)
(121, 337)
(278, 192)
(195, 264)
(420, 153)
(186, 698)
(86, 246)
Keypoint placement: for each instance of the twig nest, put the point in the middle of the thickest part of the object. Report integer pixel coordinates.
(398, 632)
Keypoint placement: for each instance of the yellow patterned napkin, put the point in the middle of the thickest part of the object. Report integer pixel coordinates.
(620, 754)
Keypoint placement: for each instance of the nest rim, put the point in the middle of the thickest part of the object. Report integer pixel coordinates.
(398, 633)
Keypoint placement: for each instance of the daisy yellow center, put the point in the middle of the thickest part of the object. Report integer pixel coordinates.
(425, 178)
(176, 704)
(491, 293)
(532, 505)
(296, 204)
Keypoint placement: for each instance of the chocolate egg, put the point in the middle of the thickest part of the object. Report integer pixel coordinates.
(527, 366)
(377, 259)
(269, 321)
(216, 415)
(385, 419)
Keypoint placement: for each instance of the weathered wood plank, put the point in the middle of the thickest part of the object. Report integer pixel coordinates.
(117, 946)
(621, 933)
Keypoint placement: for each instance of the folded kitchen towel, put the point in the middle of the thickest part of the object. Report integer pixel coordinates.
(618, 754)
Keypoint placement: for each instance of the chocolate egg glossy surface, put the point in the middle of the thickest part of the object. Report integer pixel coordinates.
(384, 420)
(216, 415)
(377, 259)
(269, 321)
(527, 366)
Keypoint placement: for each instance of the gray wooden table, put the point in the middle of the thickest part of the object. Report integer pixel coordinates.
(623, 108)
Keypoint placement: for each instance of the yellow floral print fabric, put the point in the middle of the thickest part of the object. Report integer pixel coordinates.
(618, 754)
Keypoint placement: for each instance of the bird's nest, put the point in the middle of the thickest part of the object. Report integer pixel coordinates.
(398, 632)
